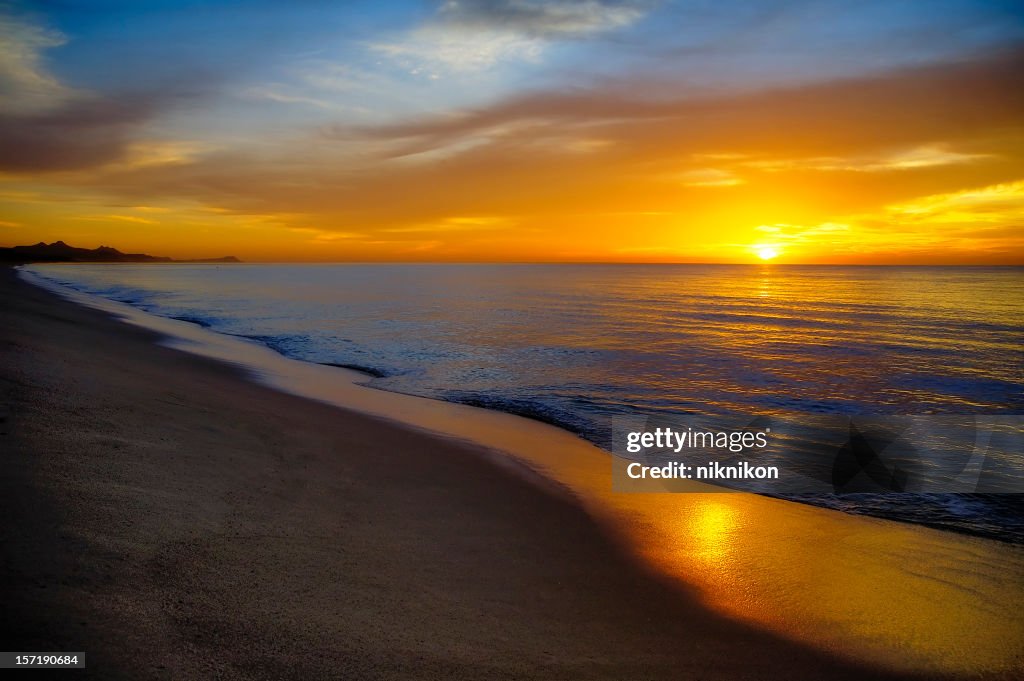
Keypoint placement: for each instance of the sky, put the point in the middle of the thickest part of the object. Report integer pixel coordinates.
(824, 131)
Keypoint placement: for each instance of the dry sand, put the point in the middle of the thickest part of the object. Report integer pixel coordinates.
(174, 520)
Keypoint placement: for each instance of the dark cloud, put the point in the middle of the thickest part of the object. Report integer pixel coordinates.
(78, 134)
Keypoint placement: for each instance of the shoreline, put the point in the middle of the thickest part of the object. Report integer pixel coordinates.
(365, 375)
(991, 520)
(631, 520)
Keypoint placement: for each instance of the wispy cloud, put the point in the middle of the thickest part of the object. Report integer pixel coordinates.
(117, 218)
(924, 156)
(434, 50)
(474, 35)
(279, 93)
(455, 224)
(26, 87)
(709, 177)
(324, 236)
(548, 19)
(1002, 203)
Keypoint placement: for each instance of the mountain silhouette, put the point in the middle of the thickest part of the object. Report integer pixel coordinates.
(59, 251)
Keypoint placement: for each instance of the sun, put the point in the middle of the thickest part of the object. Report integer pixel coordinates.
(767, 252)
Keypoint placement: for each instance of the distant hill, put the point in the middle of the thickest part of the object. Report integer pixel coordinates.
(59, 251)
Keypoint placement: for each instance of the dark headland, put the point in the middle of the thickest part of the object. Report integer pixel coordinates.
(59, 251)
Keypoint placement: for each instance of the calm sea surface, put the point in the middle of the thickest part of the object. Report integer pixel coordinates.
(576, 344)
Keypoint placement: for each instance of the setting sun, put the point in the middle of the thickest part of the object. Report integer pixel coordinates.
(767, 252)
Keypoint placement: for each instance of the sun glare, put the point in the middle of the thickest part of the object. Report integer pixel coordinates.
(767, 252)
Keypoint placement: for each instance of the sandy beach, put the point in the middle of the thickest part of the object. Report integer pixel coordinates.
(175, 520)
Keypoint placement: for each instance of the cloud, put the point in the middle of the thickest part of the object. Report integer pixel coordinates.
(475, 35)
(82, 133)
(456, 224)
(996, 203)
(546, 19)
(920, 106)
(925, 156)
(25, 85)
(786, 234)
(432, 50)
(709, 177)
(46, 125)
(856, 121)
(936, 126)
(685, 162)
(121, 218)
(277, 93)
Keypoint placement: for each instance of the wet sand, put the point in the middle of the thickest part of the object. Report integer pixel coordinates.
(175, 520)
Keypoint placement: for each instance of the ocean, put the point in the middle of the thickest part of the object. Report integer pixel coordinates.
(580, 345)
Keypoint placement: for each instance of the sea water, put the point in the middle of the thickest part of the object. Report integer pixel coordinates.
(577, 345)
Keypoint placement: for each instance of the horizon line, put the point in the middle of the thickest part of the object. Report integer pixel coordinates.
(186, 261)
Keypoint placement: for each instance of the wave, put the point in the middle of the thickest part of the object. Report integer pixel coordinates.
(368, 370)
(992, 516)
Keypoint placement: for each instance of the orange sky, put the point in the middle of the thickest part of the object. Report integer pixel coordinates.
(919, 163)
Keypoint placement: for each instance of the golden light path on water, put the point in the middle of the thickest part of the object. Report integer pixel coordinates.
(899, 595)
